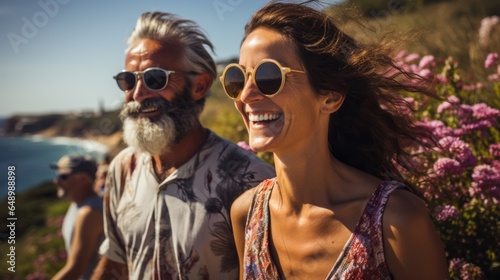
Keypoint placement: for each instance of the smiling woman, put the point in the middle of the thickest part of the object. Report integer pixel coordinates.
(325, 106)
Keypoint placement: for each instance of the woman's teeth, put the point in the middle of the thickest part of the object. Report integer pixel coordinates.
(263, 117)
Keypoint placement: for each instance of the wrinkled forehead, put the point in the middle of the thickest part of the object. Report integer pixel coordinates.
(153, 52)
(264, 43)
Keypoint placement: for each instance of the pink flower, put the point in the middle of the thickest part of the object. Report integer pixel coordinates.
(447, 166)
(487, 26)
(426, 73)
(460, 150)
(485, 176)
(495, 149)
(426, 62)
(472, 126)
(483, 111)
(453, 99)
(448, 104)
(440, 78)
(446, 212)
(473, 87)
(63, 255)
(456, 265)
(445, 106)
(486, 184)
(447, 142)
(412, 57)
(245, 146)
(491, 59)
(495, 164)
(401, 54)
(494, 77)
(465, 113)
(469, 88)
(470, 271)
(437, 127)
(478, 117)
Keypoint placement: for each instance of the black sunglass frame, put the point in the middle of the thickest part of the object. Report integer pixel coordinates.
(63, 177)
(141, 74)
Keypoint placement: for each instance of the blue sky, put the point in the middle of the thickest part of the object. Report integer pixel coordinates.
(60, 55)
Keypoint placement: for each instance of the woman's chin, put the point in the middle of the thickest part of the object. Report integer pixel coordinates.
(260, 144)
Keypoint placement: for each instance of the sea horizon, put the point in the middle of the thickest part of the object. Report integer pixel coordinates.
(30, 157)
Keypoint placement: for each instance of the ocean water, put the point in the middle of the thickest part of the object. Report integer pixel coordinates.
(31, 157)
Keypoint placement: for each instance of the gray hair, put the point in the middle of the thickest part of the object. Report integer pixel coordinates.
(165, 27)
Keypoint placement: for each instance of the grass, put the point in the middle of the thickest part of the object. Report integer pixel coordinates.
(39, 247)
(443, 29)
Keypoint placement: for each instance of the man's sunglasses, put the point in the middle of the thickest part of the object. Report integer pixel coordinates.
(62, 177)
(269, 76)
(153, 78)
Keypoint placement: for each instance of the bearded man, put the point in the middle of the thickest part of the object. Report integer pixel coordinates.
(168, 195)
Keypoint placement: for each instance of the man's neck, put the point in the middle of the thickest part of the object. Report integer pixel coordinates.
(180, 153)
(84, 195)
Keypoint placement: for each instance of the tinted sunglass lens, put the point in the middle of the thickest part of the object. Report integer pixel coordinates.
(62, 177)
(268, 78)
(234, 81)
(125, 80)
(155, 79)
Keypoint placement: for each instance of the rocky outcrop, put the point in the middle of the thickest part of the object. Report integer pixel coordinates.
(104, 127)
(87, 124)
(21, 125)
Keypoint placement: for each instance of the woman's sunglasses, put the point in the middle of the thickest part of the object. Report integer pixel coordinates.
(153, 78)
(269, 76)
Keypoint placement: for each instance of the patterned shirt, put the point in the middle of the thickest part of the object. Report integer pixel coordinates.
(179, 228)
(361, 258)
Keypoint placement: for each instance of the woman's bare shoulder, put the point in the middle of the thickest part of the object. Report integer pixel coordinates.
(412, 244)
(404, 209)
(241, 205)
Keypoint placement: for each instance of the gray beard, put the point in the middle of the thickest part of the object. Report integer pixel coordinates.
(152, 137)
(158, 136)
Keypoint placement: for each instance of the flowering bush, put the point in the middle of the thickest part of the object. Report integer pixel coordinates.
(48, 250)
(462, 187)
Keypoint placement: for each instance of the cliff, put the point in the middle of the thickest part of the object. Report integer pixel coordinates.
(104, 127)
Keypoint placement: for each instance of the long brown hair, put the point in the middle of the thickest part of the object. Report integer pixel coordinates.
(369, 131)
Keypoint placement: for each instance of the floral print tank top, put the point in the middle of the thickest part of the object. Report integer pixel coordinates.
(362, 256)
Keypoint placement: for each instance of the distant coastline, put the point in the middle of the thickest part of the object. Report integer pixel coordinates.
(31, 142)
(101, 128)
(29, 158)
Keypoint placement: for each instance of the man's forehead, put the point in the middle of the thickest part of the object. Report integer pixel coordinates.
(148, 48)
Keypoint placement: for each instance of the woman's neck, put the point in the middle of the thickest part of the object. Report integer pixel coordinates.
(320, 180)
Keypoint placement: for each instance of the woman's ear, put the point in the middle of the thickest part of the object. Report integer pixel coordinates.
(201, 84)
(331, 102)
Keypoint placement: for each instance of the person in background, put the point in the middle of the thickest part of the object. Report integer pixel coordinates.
(168, 195)
(100, 176)
(82, 227)
(329, 109)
